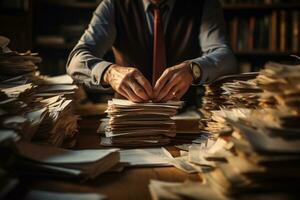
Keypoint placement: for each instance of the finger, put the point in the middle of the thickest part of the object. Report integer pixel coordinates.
(170, 94)
(175, 80)
(138, 90)
(146, 85)
(123, 93)
(131, 95)
(160, 83)
(183, 89)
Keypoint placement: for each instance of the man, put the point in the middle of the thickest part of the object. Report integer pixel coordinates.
(161, 48)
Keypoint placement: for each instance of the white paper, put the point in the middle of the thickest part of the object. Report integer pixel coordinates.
(146, 157)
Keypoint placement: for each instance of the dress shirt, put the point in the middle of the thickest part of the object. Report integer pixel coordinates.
(87, 66)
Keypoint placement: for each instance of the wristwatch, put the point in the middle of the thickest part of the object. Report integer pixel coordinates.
(196, 71)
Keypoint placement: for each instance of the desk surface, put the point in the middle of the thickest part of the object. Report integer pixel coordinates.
(131, 183)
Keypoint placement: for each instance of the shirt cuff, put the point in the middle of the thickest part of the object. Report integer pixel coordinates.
(98, 71)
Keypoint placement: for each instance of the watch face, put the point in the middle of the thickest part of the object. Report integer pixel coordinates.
(196, 71)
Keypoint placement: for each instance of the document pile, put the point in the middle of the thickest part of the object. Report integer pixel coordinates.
(55, 162)
(39, 108)
(260, 159)
(261, 162)
(187, 123)
(39, 160)
(57, 124)
(14, 64)
(234, 91)
(265, 153)
(281, 85)
(138, 124)
(202, 158)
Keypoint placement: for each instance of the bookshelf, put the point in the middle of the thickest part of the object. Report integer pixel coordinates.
(66, 22)
(75, 4)
(258, 7)
(16, 23)
(263, 30)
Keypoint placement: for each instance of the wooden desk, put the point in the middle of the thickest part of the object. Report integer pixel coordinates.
(132, 183)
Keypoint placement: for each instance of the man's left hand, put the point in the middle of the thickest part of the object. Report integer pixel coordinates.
(174, 83)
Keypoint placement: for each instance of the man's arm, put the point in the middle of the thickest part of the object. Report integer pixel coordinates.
(217, 59)
(86, 64)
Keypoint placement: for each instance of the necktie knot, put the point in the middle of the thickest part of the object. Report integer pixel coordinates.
(158, 9)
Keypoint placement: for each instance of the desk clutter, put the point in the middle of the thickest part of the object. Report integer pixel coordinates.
(33, 108)
(34, 105)
(254, 149)
(246, 142)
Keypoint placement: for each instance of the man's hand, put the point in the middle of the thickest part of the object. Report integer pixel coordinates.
(129, 82)
(174, 83)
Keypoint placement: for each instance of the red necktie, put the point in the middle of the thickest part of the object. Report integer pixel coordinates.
(159, 54)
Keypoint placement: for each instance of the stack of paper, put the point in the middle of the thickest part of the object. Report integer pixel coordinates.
(47, 120)
(55, 121)
(39, 108)
(12, 107)
(144, 124)
(187, 123)
(22, 92)
(50, 161)
(14, 64)
(248, 164)
(234, 91)
(33, 159)
(281, 85)
(221, 91)
(255, 161)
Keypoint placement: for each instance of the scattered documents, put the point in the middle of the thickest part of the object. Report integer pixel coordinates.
(150, 157)
(187, 190)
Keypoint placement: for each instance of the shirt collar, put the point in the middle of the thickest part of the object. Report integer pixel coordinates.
(147, 3)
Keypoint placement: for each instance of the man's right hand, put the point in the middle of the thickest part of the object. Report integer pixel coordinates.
(129, 82)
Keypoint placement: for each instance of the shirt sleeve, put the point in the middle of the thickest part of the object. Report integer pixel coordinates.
(217, 58)
(85, 63)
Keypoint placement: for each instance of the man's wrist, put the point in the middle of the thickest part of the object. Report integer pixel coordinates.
(106, 75)
(188, 66)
